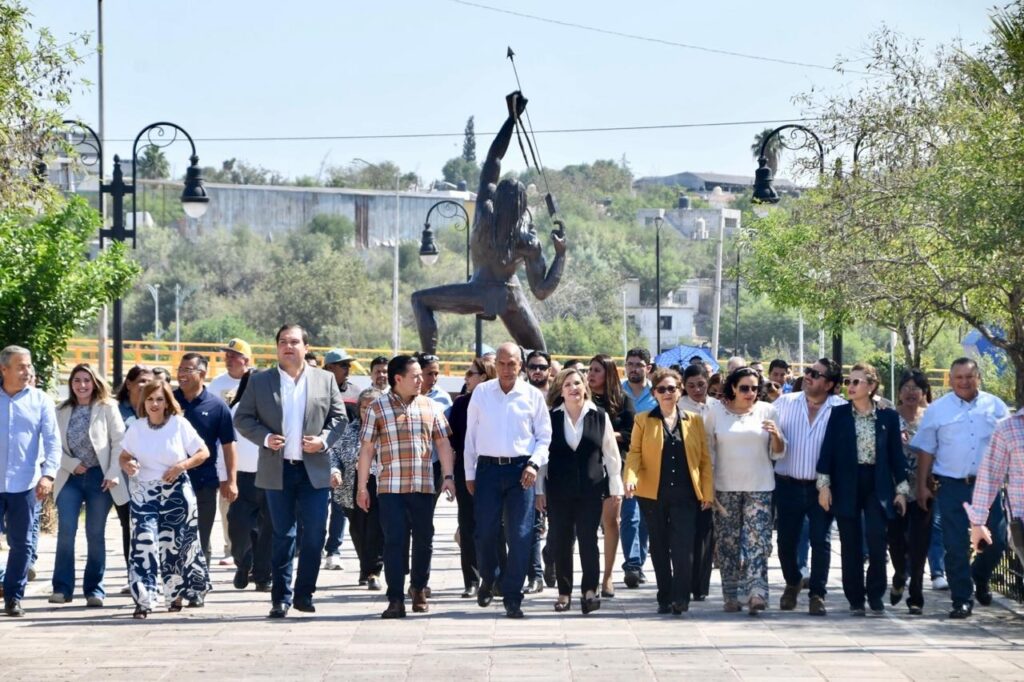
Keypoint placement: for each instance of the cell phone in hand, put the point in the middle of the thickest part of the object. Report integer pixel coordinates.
(983, 544)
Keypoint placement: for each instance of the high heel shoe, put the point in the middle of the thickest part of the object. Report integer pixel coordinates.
(175, 606)
(140, 613)
(589, 604)
(563, 606)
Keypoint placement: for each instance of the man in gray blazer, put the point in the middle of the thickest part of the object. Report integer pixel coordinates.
(289, 411)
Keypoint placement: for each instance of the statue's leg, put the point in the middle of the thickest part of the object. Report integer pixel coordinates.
(464, 299)
(521, 323)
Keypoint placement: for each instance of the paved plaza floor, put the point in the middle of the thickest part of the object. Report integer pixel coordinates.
(231, 638)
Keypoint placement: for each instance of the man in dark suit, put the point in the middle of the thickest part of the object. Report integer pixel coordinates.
(290, 413)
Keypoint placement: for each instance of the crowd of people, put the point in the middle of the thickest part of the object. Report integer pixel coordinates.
(694, 467)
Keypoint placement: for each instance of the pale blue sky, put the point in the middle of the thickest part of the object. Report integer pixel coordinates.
(228, 68)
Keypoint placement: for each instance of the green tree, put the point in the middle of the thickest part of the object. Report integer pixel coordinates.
(469, 142)
(337, 228)
(153, 164)
(457, 169)
(237, 172)
(48, 284)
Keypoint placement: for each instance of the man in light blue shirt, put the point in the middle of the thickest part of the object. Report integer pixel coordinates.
(950, 442)
(632, 527)
(29, 454)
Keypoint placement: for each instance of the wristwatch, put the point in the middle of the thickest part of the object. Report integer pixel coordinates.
(449, 477)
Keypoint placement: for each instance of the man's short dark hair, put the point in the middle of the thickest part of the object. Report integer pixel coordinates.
(641, 353)
(965, 361)
(538, 354)
(698, 358)
(379, 360)
(694, 371)
(286, 327)
(201, 362)
(400, 365)
(778, 363)
(833, 371)
(426, 359)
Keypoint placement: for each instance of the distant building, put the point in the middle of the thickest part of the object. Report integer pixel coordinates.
(694, 223)
(706, 182)
(678, 310)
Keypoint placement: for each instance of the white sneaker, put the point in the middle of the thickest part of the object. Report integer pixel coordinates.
(333, 563)
(940, 583)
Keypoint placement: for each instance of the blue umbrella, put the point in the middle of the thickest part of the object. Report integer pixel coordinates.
(680, 355)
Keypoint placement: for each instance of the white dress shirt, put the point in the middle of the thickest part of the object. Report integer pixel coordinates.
(293, 411)
(610, 456)
(513, 424)
(803, 437)
(688, 404)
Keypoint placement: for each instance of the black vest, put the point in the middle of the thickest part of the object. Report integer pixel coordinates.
(579, 472)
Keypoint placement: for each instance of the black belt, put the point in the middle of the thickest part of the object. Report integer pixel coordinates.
(294, 462)
(969, 480)
(798, 481)
(505, 461)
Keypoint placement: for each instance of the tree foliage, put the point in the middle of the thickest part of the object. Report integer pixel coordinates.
(153, 164)
(469, 142)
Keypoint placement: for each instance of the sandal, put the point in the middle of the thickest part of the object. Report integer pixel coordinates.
(563, 606)
(140, 613)
(175, 606)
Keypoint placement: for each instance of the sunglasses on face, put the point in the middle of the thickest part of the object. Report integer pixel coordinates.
(666, 389)
(855, 382)
(472, 373)
(746, 388)
(812, 373)
(538, 368)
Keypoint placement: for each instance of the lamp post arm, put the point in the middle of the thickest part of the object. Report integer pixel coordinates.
(95, 143)
(804, 129)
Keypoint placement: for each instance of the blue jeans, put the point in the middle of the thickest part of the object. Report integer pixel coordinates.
(796, 501)
(77, 491)
(937, 550)
(405, 517)
(498, 493)
(19, 510)
(298, 502)
(960, 572)
(336, 529)
(633, 534)
(803, 548)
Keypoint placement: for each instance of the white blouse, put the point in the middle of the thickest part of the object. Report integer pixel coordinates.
(157, 450)
(741, 454)
(610, 456)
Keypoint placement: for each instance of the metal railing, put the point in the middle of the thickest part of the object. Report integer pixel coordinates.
(1008, 577)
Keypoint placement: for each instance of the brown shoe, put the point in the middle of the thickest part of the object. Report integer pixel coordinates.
(396, 609)
(817, 606)
(419, 601)
(789, 595)
(732, 606)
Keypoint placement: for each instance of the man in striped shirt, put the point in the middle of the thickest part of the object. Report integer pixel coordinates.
(1003, 461)
(401, 426)
(802, 417)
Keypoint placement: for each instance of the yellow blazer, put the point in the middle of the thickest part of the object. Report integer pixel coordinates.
(643, 463)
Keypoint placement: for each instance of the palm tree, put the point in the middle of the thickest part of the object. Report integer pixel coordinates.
(772, 151)
(153, 164)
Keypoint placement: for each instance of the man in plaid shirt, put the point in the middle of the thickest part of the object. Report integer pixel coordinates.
(1004, 457)
(401, 426)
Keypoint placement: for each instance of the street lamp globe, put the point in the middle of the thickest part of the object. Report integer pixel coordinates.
(764, 193)
(194, 199)
(428, 247)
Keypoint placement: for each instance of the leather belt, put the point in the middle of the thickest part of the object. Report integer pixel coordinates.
(505, 461)
(294, 462)
(969, 480)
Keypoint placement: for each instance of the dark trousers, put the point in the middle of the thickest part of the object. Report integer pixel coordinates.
(672, 525)
(249, 529)
(124, 517)
(335, 529)
(866, 526)
(536, 569)
(703, 552)
(498, 493)
(298, 502)
(467, 529)
(367, 534)
(572, 520)
(960, 572)
(206, 504)
(910, 536)
(19, 512)
(405, 516)
(794, 502)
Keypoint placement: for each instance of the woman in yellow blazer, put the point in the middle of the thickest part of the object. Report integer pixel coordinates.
(91, 430)
(669, 468)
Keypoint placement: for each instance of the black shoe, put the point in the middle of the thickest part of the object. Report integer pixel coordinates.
(643, 577)
(278, 610)
(895, 596)
(858, 611)
(607, 595)
(983, 595)
(961, 611)
(664, 609)
(363, 580)
(699, 597)
(680, 607)
(140, 613)
(470, 591)
(632, 579)
(816, 606)
(877, 607)
(536, 586)
(304, 605)
(373, 583)
(395, 609)
(241, 580)
(513, 612)
(196, 602)
(13, 608)
(549, 576)
(264, 586)
(588, 605)
(915, 610)
(484, 596)
(496, 590)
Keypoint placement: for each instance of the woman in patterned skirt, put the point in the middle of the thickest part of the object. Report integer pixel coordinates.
(158, 449)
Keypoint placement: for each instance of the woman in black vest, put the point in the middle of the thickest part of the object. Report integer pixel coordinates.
(583, 459)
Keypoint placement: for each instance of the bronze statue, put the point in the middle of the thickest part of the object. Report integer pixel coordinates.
(502, 238)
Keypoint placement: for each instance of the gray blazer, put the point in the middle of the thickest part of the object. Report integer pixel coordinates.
(259, 415)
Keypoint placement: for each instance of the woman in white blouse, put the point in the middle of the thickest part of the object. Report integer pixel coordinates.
(159, 448)
(744, 441)
(583, 459)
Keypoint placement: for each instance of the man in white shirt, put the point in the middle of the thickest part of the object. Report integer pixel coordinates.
(508, 432)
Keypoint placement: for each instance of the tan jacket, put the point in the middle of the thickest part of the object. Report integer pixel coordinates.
(106, 431)
(643, 463)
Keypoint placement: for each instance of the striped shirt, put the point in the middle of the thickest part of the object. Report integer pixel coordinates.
(404, 433)
(1003, 457)
(803, 437)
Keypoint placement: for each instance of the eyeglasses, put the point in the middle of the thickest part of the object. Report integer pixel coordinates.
(471, 373)
(746, 388)
(812, 373)
(666, 389)
(538, 368)
(856, 382)
(188, 370)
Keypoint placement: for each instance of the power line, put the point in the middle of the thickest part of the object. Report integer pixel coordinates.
(552, 131)
(660, 41)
